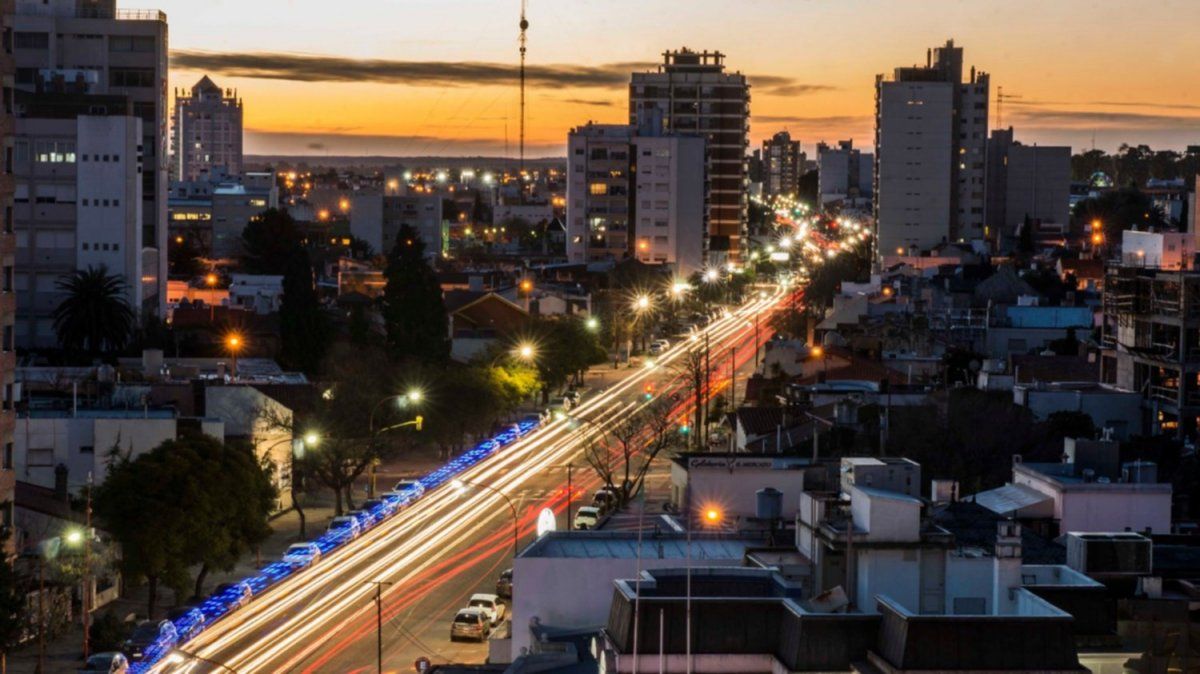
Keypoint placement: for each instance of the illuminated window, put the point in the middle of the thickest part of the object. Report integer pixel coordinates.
(598, 189)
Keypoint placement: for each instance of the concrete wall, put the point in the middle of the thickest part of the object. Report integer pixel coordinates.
(1100, 507)
(573, 592)
(1120, 411)
(735, 492)
(82, 445)
(895, 573)
(968, 577)
(885, 519)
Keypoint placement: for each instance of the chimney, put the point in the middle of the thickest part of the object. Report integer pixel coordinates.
(1006, 569)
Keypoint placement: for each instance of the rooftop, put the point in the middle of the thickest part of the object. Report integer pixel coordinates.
(624, 545)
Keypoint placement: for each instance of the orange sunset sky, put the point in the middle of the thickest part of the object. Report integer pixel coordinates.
(416, 77)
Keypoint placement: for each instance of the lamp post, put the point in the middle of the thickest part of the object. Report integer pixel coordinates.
(461, 486)
(379, 622)
(413, 397)
(211, 281)
(234, 343)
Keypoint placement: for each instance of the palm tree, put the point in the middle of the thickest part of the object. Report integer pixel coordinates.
(94, 317)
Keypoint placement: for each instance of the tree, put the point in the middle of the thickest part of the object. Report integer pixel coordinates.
(184, 257)
(304, 328)
(12, 603)
(269, 241)
(413, 310)
(566, 348)
(624, 451)
(95, 316)
(191, 500)
(1118, 210)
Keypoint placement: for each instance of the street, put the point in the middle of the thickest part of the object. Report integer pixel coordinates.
(447, 546)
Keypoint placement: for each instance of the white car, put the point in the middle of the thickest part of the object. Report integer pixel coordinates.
(413, 487)
(658, 346)
(587, 517)
(490, 605)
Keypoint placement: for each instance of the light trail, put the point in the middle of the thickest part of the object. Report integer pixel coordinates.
(281, 628)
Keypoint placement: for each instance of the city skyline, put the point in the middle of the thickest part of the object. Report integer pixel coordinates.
(439, 79)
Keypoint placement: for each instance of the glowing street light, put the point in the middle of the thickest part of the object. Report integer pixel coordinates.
(712, 516)
(234, 343)
(592, 323)
(414, 396)
(641, 302)
(311, 439)
(712, 276)
(526, 351)
(785, 242)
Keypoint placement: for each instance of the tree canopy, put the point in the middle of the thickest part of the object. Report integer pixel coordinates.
(1119, 210)
(190, 501)
(413, 310)
(269, 241)
(304, 328)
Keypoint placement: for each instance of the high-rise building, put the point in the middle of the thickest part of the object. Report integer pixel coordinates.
(930, 142)
(8, 303)
(843, 174)
(207, 132)
(635, 196)
(1025, 182)
(66, 51)
(783, 164)
(691, 93)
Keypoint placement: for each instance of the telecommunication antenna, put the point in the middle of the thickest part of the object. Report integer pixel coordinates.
(1000, 98)
(521, 165)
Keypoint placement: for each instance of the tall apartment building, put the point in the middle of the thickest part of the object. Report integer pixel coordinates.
(81, 48)
(377, 218)
(206, 131)
(844, 173)
(783, 164)
(930, 143)
(1025, 181)
(635, 196)
(8, 303)
(692, 94)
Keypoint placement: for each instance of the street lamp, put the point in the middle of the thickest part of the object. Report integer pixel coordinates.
(461, 485)
(592, 323)
(234, 343)
(526, 351)
(411, 397)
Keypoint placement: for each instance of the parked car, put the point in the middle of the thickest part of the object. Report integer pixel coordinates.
(605, 499)
(150, 639)
(504, 584)
(395, 498)
(188, 620)
(658, 346)
(490, 605)
(106, 663)
(366, 520)
(302, 555)
(238, 593)
(470, 623)
(381, 507)
(412, 486)
(345, 525)
(587, 517)
(575, 395)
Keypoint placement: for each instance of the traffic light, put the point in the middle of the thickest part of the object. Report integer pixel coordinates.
(648, 388)
(420, 421)
(684, 429)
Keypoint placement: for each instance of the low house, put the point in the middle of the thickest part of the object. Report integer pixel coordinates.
(479, 319)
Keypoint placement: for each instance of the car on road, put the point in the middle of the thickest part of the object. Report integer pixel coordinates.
(470, 623)
(150, 640)
(575, 395)
(605, 499)
(239, 594)
(587, 517)
(188, 620)
(302, 555)
(105, 663)
(381, 507)
(395, 498)
(504, 584)
(366, 519)
(414, 487)
(658, 346)
(345, 525)
(490, 605)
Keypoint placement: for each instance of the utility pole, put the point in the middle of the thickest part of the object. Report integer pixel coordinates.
(707, 373)
(570, 492)
(524, 25)
(379, 622)
(87, 570)
(732, 377)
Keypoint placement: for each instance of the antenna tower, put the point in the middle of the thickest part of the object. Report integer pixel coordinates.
(521, 166)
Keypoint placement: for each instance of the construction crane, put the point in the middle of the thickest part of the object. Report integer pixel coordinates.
(1000, 98)
(521, 163)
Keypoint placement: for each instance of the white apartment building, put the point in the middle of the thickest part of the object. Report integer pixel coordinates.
(95, 49)
(635, 196)
(77, 204)
(206, 131)
(377, 218)
(844, 173)
(930, 147)
(692, 94)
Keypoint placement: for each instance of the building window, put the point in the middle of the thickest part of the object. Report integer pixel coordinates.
(131, 77)
(30, 40)
(598, 189)
(55, 152)
(8, 456)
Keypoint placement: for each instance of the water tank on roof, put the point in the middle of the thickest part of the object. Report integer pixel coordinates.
(770, 504)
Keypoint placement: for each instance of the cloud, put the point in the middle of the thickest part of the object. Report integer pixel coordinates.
(1104, 119)
(322, 68)
(586, 101)
(265, 142)
(317, 68)
(798, 89)
(1113, 104)
(830, 120)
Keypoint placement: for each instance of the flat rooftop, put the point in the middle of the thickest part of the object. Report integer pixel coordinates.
(624, 545)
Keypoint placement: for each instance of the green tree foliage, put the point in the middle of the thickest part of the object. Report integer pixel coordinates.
(189, 501)
(1134, 164)
(566, 348)
(413, 310)
(1119, 210)
(269, 241)
(95, 317)
(12, 603)
(303, 326)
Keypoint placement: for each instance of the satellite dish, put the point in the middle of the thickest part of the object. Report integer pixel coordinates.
(547, 521)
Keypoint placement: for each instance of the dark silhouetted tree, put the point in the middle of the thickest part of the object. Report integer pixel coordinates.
(268, 241)
(413, 311)
(95, 316)
(304, 328)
